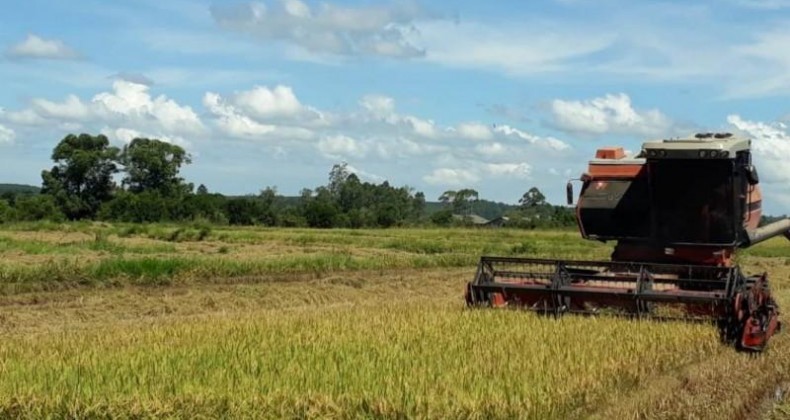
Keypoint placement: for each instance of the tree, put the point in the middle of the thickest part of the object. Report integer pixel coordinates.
(447, 197)
(442, 217)
(320, 211)
(81, 179)
(460, 200)
(38, 207)
(268, 199)
(153, 165)
(352, 194)
(208, 207)
(346, 201)
(532, 198)
(463, 199)
(143, 207)
(337, 177)
(418, 206)
(7, 212)
(202, 190)
(244, 211)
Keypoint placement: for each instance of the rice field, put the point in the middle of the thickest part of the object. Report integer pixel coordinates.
(129, 321)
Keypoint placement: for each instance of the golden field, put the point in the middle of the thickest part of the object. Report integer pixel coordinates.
(126, 321)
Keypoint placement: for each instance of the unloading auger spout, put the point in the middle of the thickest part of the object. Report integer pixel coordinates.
(780, 227)
(678, 211)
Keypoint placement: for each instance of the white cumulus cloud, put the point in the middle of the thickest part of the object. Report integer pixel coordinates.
(381, 109)
(275, 121)
(365, 175)
(126, 135)
(127, 110)
(377, 131)
(231, 121)
(340, 146)
(771, 147)
(132, 101)
(425, 128)
(72, 108)
(545, 142)
(35, 46)
(263, 102)
(474, 131)
(378, 105)
(236, 123)
(24, 117)
(517, 170)
(609, 114)
(451, 177)
(491, 149)
(6, 135)
(128, 104)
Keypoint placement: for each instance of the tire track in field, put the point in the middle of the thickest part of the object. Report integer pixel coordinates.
(727, 385)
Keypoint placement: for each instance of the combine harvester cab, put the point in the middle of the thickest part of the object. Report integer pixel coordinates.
(678, 212)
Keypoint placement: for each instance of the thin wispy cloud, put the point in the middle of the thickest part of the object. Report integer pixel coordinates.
(379, 30)
(36, 47)
(513, 49)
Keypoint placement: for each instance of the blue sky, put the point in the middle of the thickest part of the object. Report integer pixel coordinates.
(497, 96)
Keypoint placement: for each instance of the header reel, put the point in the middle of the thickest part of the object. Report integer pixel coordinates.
(740, 306)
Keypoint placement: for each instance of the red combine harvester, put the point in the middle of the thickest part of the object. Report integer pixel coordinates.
(679, 210)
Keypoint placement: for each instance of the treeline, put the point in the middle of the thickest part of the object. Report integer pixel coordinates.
(140, 183)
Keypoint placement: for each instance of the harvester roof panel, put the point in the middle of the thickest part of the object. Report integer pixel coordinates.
(730, 144)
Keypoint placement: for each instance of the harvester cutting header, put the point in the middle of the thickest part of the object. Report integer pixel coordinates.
(678, 210)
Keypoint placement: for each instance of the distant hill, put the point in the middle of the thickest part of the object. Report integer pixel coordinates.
(19, 189)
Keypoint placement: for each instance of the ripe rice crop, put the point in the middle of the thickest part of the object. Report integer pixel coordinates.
(434, 360)
(101, 321)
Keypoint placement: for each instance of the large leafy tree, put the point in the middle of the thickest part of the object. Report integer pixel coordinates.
(82, 178)
(338, 176)
(320, 210)
(532, 198)
(418, 206)
(460, 200)
(447, 197)
(153, 165)
(463, 200)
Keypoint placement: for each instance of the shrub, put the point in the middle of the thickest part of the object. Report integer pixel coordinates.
(38, 207)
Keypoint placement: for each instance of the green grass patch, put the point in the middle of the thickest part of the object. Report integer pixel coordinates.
(100, 244)
(116, 259)
(163, 271)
